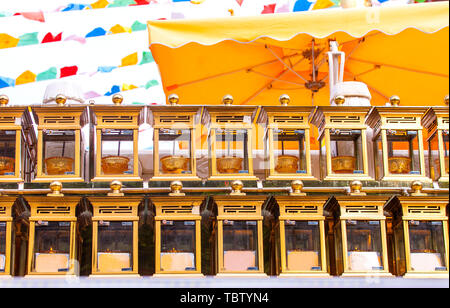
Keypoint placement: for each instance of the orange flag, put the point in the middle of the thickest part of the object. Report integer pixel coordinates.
(7, 41)
(26, 77)
(130, 59)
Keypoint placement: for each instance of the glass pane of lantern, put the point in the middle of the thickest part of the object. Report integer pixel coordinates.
(403, 152)
(378, 157)
(399, 242)
(338, 247)
(346, 151)
(7, 152)
(445, 137)
(427, 248)
(2, 246)
(117, 151)
(302, 245)
(177, 245)
(175, 151)
(364, 245)
(433, 152)
(58, 152)
(115, 246)
(240, 245)
(51, 246)
(289, 151)
(232, 151)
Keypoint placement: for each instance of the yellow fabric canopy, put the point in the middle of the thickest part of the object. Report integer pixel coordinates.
(401, 50)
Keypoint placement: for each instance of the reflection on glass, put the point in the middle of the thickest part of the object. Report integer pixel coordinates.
(346, 151)
(427, 246)
(232, 151)
(175, 151)
(117, 151)
(51, 246)
(433, 153)
(2, 246)
(403, 152)
(7, 152)
(177, 245)
(302, 245)
(289, 151)
(115, 246)
(240, 245)
(58, 152)
(364, 245)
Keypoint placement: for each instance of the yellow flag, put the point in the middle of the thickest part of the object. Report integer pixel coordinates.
(119, 29)
(126, 87)
(7, 41)
(100, 4)
(130, 59)
(322, 4)
(26, 77)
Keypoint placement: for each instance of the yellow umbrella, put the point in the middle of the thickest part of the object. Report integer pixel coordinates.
(400, 50)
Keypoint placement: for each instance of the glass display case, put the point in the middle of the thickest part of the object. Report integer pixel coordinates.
(115, 235)
(60, 148)
(116, 152)
(11, 144)
(6, 236)
(176, 138)
(239, 236)
(420, 229)
(53, 241)
(300, 240)
(287, 142)
(436, 121)
(178, 236)
(360, 236)
(231, 142)
(343, 142)
(398, 143)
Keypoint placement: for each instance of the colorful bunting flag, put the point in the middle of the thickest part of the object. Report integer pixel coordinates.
(114, 89)
(68, 71)
(25, 77)
(301, 5)
(269, 9)
(48, 38)
(130, 60)
(96, 32)
(119, 29)
(74, 7)
(7, 41)
(119, 3)
(147, 57)
(106, 69)
(100, 4)
(151, 83)
(28, 39)
(137, 26)
(51, 73)
(6, 82)
(79, 39)
(37, 16)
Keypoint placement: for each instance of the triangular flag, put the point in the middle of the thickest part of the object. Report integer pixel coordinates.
(240, 2)
(269, 9)
(146, 57)
(130, 59)
(74, 7)
(114, 89)
(137, 26)
(74, 37)
(301, 5)
(7, 41)
(126, 87)
(151, 83)
(48, 38)
(100, 4)
(26, 77)
(141, 2)
(117, 29)
(96, 32)
(38, 16)
(6, 82)
(106, 69)
(28, 39)
(48, 74)
(91, 94)
(322, 4)
(68, 71)
(119, 3)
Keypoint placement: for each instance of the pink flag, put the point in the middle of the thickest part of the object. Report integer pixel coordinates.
(79, 39)
(240, 2)
(91, 94)
(38, 16)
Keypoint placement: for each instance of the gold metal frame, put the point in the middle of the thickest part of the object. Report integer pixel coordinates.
(239, 208)
(115, 209)
(6, 204)
(342, 117)
(60, 118)
(249, 125)
(178, 208)
(175, 117)
(302, 208)
(286, 117)
(384, 118)
(61, 209)
(117, 117)
(360, 208)
(11, 119)
(420, 208)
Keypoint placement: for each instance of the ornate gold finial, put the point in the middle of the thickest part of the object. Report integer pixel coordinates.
(297, 186)
(394, 100)
(227, 100)
(173, 99)
(416, 187)
(237, 188)
(116, 189)
(284, 100)
(117, 99)
(4, 100)
(60, 100)
(339, 100)
(355, 188)
(446, 100)
(176, 187)
(56, 188)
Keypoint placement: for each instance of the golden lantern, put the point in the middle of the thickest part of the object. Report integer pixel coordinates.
(238, 236)
(60, 146)
(436, 121)
(116, 151)
(115, 236)
(176, 136)
(6, 236)
(398, 142)
(231, 141)
(178, 236)
(53, 245)
(287, 141)
(300, 240)
(420, 227)
(360, 235)
(343, 142)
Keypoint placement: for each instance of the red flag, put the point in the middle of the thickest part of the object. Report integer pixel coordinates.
(68, 71)
(269, 9)
(38, 16)
(140, 2)
(48, 38)
(240, 2)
